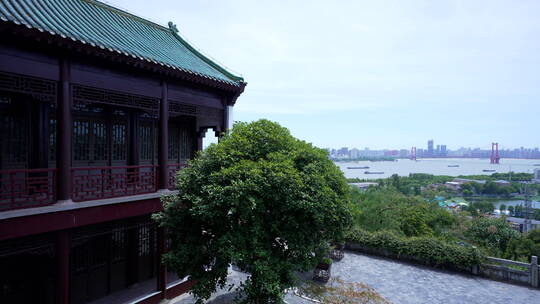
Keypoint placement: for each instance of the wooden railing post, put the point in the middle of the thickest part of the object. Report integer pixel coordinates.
(534, 271)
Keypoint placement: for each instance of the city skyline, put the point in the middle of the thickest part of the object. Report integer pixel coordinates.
(432, 149)
(425, 147)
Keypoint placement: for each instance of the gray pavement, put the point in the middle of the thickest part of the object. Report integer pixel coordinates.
(404, 283)
(412, 284)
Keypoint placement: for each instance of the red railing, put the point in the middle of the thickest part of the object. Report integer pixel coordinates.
(173, 168)
(89, 183)
(24, 188)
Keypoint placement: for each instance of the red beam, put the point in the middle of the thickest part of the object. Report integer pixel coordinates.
(46, 222)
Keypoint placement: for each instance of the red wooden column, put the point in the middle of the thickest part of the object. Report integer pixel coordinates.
(200, 135)
(62, 267)
(161, 249)
(63, 133)
(163, 172)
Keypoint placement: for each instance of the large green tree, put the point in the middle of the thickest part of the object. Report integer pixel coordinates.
(260, 199)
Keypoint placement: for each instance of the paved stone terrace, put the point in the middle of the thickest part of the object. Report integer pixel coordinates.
(404, 283)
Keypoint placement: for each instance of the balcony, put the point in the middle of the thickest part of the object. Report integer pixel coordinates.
(91, 183)
(173, 169)
(27, 188)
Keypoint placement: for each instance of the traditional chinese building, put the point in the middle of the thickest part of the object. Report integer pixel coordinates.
(98, 110)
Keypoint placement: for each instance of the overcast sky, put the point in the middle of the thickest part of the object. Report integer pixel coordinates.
(378, 74)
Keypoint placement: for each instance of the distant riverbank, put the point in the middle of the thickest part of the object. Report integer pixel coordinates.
(436, 166)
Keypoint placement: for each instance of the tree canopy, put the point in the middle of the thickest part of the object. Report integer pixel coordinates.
(260, 199)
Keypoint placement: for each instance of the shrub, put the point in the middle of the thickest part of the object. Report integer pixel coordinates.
(427, 250)
(492, 233)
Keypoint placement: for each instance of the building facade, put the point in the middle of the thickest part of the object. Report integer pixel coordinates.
(98, 110)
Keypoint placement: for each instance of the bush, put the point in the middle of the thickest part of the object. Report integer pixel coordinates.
(326, 261)
(427, 250)
(492, 233)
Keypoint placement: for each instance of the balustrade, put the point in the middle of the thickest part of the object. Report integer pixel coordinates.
(90, 183)
(173, 169)
(24, 188)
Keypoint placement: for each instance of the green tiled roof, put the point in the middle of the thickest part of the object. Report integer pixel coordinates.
(103, 26)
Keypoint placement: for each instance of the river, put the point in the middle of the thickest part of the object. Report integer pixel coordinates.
(436, 166)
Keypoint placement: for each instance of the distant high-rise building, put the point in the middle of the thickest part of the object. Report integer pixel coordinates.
(430, 147)
(344, 152)
(444, 152)
(438, 150)
(536, 177)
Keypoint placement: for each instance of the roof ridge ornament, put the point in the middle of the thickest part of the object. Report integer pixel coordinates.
(173, 27)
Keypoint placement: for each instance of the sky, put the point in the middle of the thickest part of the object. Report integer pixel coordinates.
(378, 74)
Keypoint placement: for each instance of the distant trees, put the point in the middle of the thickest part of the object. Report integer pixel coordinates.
(502, 207)
(491, 233)
(511, 210)
(523, 247)
(480, 207)
(388, 209)
(490, 188)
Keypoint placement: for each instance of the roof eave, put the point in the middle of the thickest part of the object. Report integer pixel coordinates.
(65, 42)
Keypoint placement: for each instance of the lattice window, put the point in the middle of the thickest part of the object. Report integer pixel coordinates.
(52, 139)
(39, 88)
(88, 108)
(83, 94)
(81, 140)
(174, 142)
(145, 240)
(119, 141)
(13, 141)
(181, 142)
(119, 244)
(100, 148)
(186, 143)
(147, 142)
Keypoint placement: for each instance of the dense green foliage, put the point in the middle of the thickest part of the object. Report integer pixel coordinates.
(411, 184)
(504, 176)
(523, 247)
(385, 208)
(260, 199)
(428, 250)
(491, 233)
(431, 185)
(490, 188)
(477, 208)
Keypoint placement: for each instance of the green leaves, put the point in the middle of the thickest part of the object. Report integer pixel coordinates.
(492, 233)
(427, 250)
(260, 198)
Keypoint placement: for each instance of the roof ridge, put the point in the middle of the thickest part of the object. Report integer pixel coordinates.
(172, 30)
(127, 14)
(104, 26)
(215, 65)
